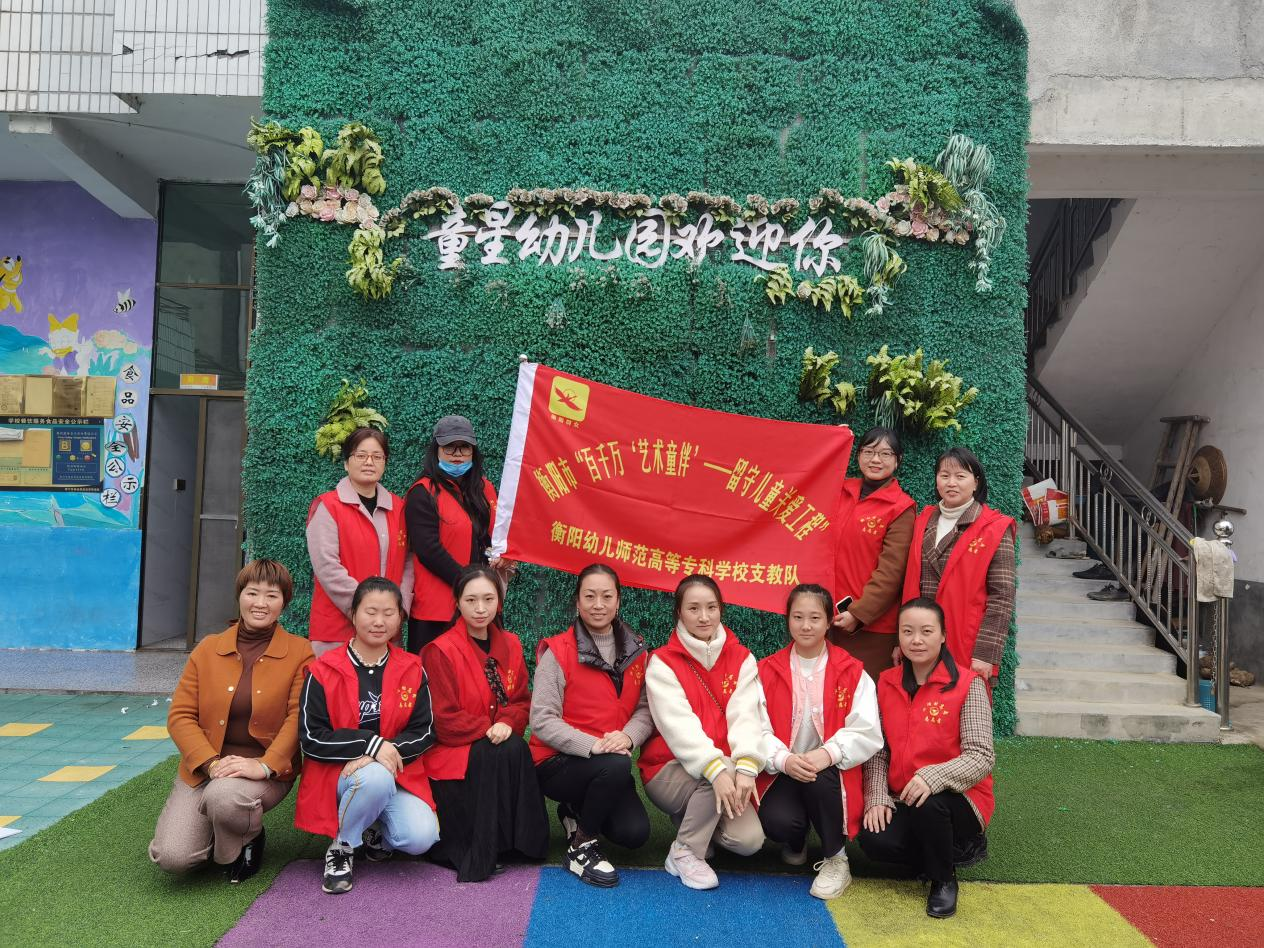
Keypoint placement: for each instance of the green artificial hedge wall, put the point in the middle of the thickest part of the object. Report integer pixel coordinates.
(778, 98)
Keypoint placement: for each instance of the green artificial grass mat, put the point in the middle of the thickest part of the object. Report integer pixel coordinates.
(1067, 811)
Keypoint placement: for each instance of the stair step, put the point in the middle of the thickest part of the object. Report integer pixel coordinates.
(1094, 656)
(1060, 630)
(1115, 686)
(1101, 720)
(1056, 584)
(1061, 605)
(1035, 563)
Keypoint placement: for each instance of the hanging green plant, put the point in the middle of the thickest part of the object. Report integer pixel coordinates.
(926, 185)
(305, 153)
(816, 386)
(968, 165)
(883, 266)
(917, 396)
(369, 274)
(347, 412)
(778, 284)
(357, 161)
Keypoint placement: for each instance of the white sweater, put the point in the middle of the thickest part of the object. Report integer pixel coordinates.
(855, 742)
(682, 730)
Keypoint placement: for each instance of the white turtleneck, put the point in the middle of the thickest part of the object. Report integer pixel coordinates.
(948, 517)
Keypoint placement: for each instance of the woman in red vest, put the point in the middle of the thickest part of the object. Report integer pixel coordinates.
(589, 712)
(364, 725)
(480, 769)
(450, 512)
(821, 725)
(353, 532)
(874, 526)
(962, 556)
(700, 767)
(928, 793)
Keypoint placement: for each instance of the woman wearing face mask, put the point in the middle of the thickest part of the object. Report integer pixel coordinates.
(589, 712)
(450, 513)
(874, 526)
(480, 769)
(928, 793)
(962, 556)
(366, 722)
(821, 725)
(353, 532)
(234, 720)
(700, 767)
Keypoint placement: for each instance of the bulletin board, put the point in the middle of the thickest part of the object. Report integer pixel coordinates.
(52, 433)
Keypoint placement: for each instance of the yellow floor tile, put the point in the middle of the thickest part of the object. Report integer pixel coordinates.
(149, 732)
(6, 820)
(21, 730)
(76, 774)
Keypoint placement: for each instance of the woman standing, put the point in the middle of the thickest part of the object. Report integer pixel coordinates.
(928, 793)
(365, 724)
(234, 719)
(353, 532)
(700, 767)
(962, 556)
(874, 525)
(821, 725)
(450, 512)
(480, 769)
(589, 712)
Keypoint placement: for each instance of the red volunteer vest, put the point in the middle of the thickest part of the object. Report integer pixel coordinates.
(962, 589)
(590, 703)
(721, 680)
(842, 673)
(862, 527)
(926, 729)
(316, 809)
(360, 554)
(433, 600)
(447, 761)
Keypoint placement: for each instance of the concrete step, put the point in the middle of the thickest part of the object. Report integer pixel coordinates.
(1099, 720)
(1035, 563)
(1063, 631)
(1113, 686)
(1092, 656)
(1067, 605)
(1057, 584)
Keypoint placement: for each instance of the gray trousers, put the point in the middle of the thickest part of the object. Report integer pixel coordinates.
(690, 802)
(211, 821)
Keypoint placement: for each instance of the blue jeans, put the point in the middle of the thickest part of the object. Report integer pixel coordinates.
(370, 795)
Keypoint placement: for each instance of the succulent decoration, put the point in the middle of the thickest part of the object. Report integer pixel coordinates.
(347, 412)
(917, 396)
(816, 386)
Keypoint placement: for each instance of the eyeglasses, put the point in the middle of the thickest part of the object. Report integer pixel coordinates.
(493, 678)
(459, 448)
(882, 455)
(362, 457)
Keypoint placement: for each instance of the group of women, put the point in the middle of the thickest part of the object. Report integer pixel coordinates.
(872, 724)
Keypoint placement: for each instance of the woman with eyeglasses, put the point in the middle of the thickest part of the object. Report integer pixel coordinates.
(450, 511)
(481, 772)
(874, 526)
(355, 531)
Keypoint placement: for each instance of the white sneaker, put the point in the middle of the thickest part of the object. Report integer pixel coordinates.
(689, 869)
(833, 876)
(794, 858)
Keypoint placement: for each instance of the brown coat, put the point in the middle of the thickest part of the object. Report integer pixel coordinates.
(199, 706)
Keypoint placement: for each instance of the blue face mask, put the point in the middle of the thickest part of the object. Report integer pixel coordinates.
(455, 470)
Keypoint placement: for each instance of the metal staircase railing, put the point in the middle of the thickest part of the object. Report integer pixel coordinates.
(1122, 522)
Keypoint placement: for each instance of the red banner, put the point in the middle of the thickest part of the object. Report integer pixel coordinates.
(659, 490)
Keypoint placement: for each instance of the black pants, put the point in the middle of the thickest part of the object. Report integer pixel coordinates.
(421, 632)
(927, 837)
(601, 792)
(789, 806)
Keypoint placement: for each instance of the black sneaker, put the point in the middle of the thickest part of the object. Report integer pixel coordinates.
(248, 860)
(339, 863)
(566, 816)
(1100, 571)
(1111, 592)
(375, 848)
(587, 861)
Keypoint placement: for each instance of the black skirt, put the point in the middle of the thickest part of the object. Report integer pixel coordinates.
(497, 809)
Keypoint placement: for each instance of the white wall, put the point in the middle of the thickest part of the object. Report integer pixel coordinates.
(1223, 378)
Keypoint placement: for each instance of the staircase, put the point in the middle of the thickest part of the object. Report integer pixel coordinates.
(1088, 669)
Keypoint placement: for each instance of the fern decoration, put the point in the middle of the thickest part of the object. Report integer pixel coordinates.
(347, 412)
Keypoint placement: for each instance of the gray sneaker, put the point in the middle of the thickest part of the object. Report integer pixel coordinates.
(339, 864)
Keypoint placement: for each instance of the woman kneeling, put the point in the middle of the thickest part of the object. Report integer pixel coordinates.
(937, 762)
(488, 795)
(366, 723)
(822, 724)
(588, 713)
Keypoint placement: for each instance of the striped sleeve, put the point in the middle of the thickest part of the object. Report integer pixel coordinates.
(319, 739)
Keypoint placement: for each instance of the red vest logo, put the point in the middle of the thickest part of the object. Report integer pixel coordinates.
(935, 712)
(977, 544)
(401, 539)
(637, 672)
(729, 684)
(509, 679)
(407, 696)
(873, 525)
(843, 696)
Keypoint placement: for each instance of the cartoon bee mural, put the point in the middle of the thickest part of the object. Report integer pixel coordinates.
(125, 302)
(10, 280)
